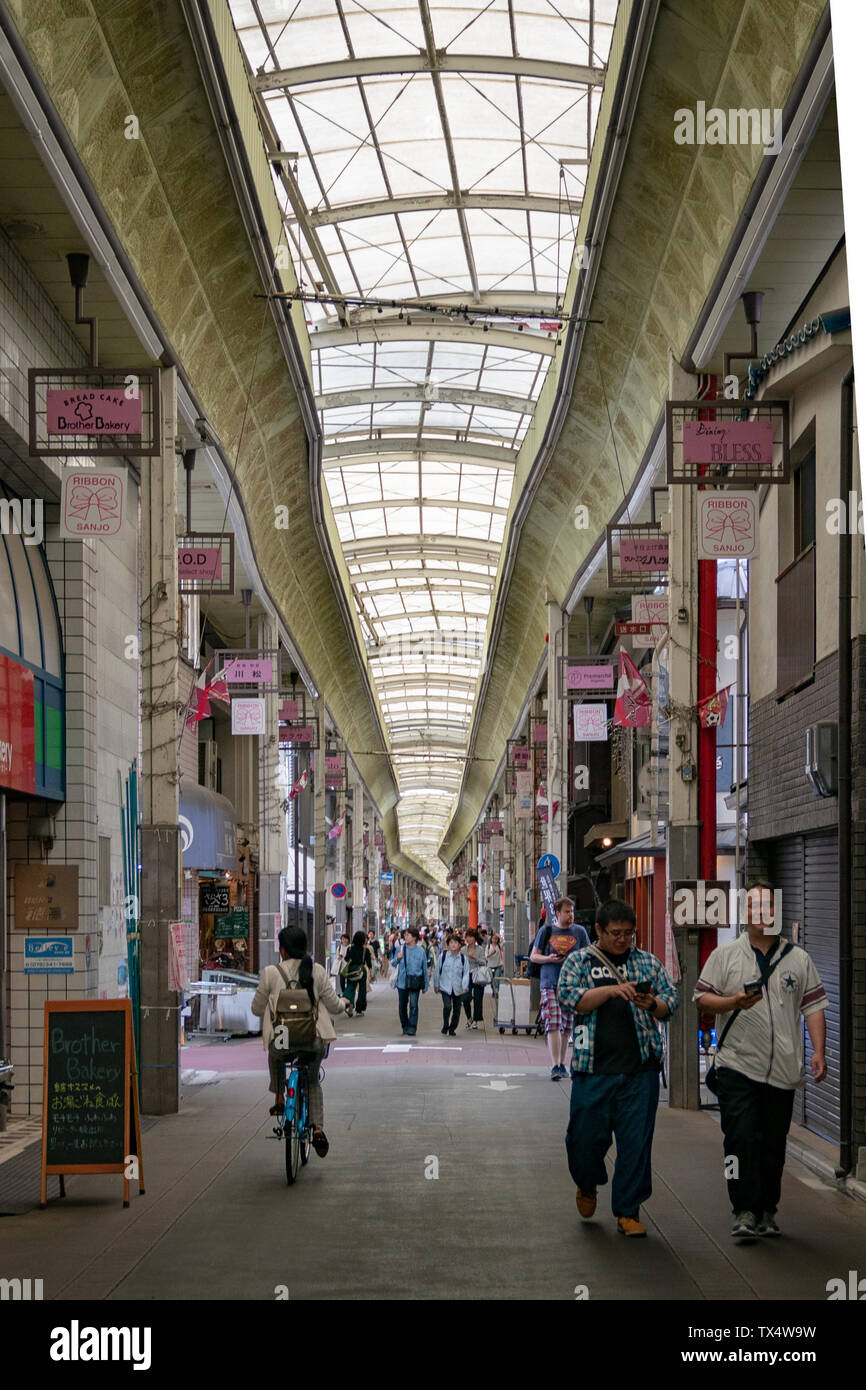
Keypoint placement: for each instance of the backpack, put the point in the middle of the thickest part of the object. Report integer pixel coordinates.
(533, 971)
(294, 1019)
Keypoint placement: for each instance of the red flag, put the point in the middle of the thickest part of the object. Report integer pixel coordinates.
(201, 709)
(299, 785)
(712, 709)
(219, 690)
(336, 829)
(633, 708)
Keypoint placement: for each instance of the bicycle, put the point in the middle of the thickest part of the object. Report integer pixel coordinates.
(294, 1124)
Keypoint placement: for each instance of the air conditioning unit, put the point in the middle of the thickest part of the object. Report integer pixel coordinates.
(822, 757)
(210, 764)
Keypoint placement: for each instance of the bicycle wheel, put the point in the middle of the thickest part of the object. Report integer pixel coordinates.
(306, 1129)
(293, 1151)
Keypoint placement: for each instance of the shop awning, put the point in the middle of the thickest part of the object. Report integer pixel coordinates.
(640, 846)
(208, 829)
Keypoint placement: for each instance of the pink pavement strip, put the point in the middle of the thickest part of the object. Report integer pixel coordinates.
(248, 1054)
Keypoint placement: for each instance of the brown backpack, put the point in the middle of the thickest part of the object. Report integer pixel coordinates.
(294, 1019)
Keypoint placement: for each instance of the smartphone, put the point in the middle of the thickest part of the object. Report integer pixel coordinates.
(754, 987)
(644, 987)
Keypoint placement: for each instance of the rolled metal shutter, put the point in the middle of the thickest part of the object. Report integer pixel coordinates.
(787, 875)
(820, 937)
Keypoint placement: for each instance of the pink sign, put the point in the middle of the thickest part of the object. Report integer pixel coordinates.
(199, 564)
(333, 771)
(727, 441)
(248, 672)
(92, 412)
(590, 723)
(91, 503)
(301, 733)
(727, 525)
(520, 758)
(539, 733)
(494, 825)
(589, 678)
(290, 709)
(638, 553)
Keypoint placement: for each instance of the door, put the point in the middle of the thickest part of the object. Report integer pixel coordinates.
(821, 939)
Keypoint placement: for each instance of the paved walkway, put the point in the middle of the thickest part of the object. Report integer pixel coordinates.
(373, 1220)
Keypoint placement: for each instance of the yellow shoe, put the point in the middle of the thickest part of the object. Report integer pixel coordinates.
(586, 1202)
(627, 1226)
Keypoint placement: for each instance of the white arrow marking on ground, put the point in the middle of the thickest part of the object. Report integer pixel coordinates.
(496, 1073)
(498, 1086)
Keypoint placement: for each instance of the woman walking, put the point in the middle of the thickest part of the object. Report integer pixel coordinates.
(473, 1002)
(495, 963)
(451, 980)
(359, 959)
(412, 980)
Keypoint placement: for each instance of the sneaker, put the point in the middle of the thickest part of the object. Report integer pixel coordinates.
(586, 1202)
(452, 1032)
(554, 1073)
(744, 1225)
(563, 1071)
(767, 1225)
(443, 1031)
(630, 1226)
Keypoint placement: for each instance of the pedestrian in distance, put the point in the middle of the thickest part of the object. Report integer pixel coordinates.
(451, 980)
(495, 962)
(412, 980)
(766, 987)
(553, 944)
(618, 995)
(479, 976)
(354, 972)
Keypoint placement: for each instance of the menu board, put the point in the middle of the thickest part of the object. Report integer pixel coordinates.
(90, 1120)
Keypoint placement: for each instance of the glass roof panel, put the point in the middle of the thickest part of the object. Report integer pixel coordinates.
(393, 204)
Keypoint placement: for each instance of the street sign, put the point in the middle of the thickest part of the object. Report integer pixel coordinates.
(387, 877)
(338, 890)
(549, 861)
(549, 894)
(635, 629)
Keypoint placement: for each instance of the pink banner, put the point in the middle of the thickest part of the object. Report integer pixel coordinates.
(539, 733)
(727, 441)
(290, 709)
(520, 759)
(638, 553)
(589, 678)
(92, 412)
(302, 733)
(199, 564)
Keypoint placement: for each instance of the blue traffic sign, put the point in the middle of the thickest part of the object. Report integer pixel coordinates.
(338, 890)
(387, 877)
(549, 861)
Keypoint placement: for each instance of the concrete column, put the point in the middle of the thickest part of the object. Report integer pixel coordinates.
(160, 833)
(319, 946)
(508, 860)
(374, 861)
(340, 904)
(683, 847)
(358, 924)
(273, 789)
(556, 841)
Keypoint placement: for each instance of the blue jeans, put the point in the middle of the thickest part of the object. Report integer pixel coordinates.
(408, 1016)
(606, 1107)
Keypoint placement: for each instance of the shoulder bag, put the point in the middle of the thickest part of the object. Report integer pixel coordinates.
(711, 1080)
(413, 982)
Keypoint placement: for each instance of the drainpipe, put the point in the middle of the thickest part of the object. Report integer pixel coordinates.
(846, 970)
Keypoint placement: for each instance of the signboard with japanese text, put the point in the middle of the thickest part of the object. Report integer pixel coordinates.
(727, 525)
(241, 672)
(520, 757)
(46, 896)
(639, 553)
(178, 973)
(524, 802)
(90, 1119)
(214, 897)
(539, 733)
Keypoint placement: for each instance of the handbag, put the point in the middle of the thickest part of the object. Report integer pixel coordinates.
(413, 982)
(351, 973)
(711, 1081)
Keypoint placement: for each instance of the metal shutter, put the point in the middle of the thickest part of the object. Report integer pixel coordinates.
(820, 938)
(787, 876)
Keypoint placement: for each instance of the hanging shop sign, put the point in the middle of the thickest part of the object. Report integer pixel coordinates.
(727, 525)
(206, 562)
(178, 972)
(586, 677)
(214, 897)
(91, 503)
(741, 443)
(46, 896)
(48, 955)
(549, 891)
(90, 1116)
(94, 411)
(634, 629)
(524, 800)
(590, 723)
(494, 826)
(335, 770)
(17, 727)
(248, 672)
(298, 733)
(233, 926)
(248, 716)
(637, 555)
(289, 709)
(497, 844)
(650, 608)
(539, 733)
(520, 757)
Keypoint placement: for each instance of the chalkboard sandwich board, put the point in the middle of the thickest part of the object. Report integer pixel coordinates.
(90, 1115)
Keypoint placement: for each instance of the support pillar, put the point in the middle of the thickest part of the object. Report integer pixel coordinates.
(358, 916)
(318, 945)
(557, 743)
(160, 832)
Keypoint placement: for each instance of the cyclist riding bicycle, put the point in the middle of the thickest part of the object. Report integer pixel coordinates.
(298, 965)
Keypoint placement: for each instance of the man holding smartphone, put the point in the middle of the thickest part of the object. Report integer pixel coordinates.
(618, 995)
(759, 1065)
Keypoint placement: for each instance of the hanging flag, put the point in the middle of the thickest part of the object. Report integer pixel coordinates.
(336, 829)
(299, 785)
(218, 689)
(633, 708)
(712, 710)
(541, 804)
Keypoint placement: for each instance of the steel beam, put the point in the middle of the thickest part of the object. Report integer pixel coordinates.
(492, 65)
(387, 328)
(442, 202)
(455, 450)
(471, 547)
(451, 575)
(449, 395)
(389, 502)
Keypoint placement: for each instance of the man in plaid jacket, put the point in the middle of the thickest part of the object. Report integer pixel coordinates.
(618, 995)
